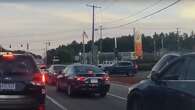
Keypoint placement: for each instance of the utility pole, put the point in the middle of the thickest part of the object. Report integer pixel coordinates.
(115, 49)
(27, 46)
(46, 49)
(162, 43)
(101, 39)
(134, 32)
(178, 42)
(83, 35)
(93, 26)
(154, 44)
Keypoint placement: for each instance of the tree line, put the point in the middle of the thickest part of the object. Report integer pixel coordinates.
(158, 41)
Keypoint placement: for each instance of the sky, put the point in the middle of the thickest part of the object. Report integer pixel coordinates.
(62, 21)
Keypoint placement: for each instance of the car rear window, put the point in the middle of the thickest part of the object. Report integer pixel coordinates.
(125, 64)
(59, 68)
(18, 65)
(87, 69)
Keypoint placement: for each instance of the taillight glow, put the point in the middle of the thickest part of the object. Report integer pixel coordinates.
(8, 56)
(106, 77)
(38, 79)
(41, 107)
(80, 78)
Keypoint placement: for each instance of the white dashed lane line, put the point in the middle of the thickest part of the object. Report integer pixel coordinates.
(56, 103)
(118, 97)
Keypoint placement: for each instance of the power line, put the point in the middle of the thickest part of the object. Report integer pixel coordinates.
(137, 13)
(144, 17)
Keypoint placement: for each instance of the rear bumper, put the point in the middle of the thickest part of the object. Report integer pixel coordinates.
(20, 102)
(90, 88)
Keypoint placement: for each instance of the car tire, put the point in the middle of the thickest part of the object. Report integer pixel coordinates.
(103, 94)
(69, 91)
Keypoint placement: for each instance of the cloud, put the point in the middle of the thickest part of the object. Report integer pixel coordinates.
(188, 12)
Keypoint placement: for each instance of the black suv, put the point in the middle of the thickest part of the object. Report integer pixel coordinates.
(21, 83)
(171, 88)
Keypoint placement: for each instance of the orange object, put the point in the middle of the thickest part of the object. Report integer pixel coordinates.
(138, 45)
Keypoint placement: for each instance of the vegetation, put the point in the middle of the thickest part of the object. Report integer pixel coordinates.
(169, 41)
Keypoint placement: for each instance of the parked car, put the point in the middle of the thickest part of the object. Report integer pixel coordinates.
(53, 72)
(128, 68)
(168, 88)
(22, 85)
(81, 78)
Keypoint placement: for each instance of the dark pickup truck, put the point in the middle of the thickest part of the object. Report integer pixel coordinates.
(127, 68)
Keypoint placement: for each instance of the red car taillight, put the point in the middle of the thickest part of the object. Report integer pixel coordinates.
(80, 78)
(41, 107)
(106, 77)
(38, 79)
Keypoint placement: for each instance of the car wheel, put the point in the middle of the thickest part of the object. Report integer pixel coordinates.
(103, 94)
(69, 91)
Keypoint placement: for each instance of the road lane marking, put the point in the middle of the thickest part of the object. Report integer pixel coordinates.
(56, 103)
(116, 96)
(114, 84)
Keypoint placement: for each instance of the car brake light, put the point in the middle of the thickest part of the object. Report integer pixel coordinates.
(8, 56)
(80, 78)
(106, 77)
(38, 79)
(41, 107)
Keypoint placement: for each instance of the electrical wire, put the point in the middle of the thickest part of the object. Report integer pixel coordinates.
(144, 17)
(135, 14)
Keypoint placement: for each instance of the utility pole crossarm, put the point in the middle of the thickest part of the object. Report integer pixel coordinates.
(88, 5)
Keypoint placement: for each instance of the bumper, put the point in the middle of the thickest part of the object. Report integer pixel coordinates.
(91, 88)
(20, 102)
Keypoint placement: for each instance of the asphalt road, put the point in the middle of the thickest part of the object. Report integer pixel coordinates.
(115, 100)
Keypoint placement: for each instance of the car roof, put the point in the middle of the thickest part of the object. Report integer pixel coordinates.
(58, 65)
(77, 64)
(190, 54)
(172, 54)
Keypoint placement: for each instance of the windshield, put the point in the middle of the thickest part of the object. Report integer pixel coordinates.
(163, 62)
(87, 70)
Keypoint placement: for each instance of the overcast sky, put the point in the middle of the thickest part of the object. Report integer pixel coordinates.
(62, 21)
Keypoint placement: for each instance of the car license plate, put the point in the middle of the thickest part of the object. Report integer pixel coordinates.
(94, 81)
(7, 86)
